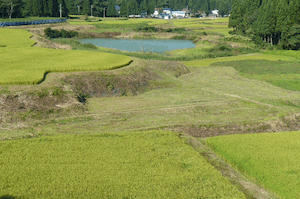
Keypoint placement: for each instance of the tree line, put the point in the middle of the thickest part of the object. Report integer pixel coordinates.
(273, 21)
(51, 8)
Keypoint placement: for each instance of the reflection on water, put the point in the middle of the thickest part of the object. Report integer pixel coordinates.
(141, 45)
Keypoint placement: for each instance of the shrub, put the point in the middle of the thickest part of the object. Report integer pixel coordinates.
(60, 34)
(221, 47)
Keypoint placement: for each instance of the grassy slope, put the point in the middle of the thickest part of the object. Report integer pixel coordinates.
(22, 64)
(208, 62)
(281, 73)
(208, 95)
(114, 165)
(271, 159)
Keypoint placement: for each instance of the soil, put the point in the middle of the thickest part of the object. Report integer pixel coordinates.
(46, 43)
(287, 123)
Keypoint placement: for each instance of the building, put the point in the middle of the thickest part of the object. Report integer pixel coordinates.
(179, 14)
(156, 12)
(165, 16)
(118, 9)
(215, 13)
(167, 11)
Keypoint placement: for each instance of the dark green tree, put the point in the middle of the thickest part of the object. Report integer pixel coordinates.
(86, 7)
(111, 11)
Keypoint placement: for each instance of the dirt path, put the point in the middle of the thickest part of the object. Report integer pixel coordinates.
(46, 43)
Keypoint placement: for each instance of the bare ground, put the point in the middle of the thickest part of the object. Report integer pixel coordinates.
(287, 123)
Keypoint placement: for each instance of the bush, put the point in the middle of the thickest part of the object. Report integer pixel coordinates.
(60, 34)
(147, 29)
(221, 47)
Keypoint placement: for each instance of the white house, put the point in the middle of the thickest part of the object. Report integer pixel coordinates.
(167, 11)
(156, 12)
(215, 13)
(179, 14)
(165, 16)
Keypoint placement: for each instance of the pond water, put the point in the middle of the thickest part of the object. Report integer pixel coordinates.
(139, 45)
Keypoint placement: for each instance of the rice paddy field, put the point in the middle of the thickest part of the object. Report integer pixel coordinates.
(211, 25)
(110, 149)
(152, 164)
(272, 159)
(20, 63)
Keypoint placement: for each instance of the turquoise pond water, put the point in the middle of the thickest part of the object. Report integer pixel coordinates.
(139, 45)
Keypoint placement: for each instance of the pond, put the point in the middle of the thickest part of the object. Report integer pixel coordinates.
(141, 45)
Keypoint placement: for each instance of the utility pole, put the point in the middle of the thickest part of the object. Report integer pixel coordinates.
(78, 9)
(92, 10)
(104, 13)
(60, 11)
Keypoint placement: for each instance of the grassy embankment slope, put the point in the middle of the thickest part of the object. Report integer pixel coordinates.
(152, 164)
(22, 64)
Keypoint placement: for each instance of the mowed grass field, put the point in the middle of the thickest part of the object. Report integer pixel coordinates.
(257, 56)
(20, 63)
(285, 74)
(152, 164)
(272, 159)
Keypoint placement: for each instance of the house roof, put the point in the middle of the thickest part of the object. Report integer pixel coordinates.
(168, 9)
(178, 12)
(117, 8)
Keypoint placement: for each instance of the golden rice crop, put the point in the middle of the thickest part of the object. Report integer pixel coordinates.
(151, 164)
(22, 64)
(272, 159)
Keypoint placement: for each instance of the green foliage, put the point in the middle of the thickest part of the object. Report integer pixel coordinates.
(60, 34)
(280, 73)
(271, 159)
(267, 20)
(152, 164)
(221, 47)
(237, 38)
(147, 29)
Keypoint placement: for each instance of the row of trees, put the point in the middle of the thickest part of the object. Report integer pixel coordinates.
(51, 8)
(273, 21)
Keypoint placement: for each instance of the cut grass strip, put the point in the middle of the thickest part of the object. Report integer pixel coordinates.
(208, 62)
(151, 164)
(279, 73)
(271, 159)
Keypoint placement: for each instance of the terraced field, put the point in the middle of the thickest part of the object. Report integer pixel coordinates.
(22, 64)
(151, 164)
(106, 146)
(272, 159)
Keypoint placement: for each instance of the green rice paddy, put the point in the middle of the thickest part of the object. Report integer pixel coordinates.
(152, 164)
(20, 63)
(272, 159)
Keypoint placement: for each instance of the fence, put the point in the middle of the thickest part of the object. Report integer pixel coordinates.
(34, 22)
